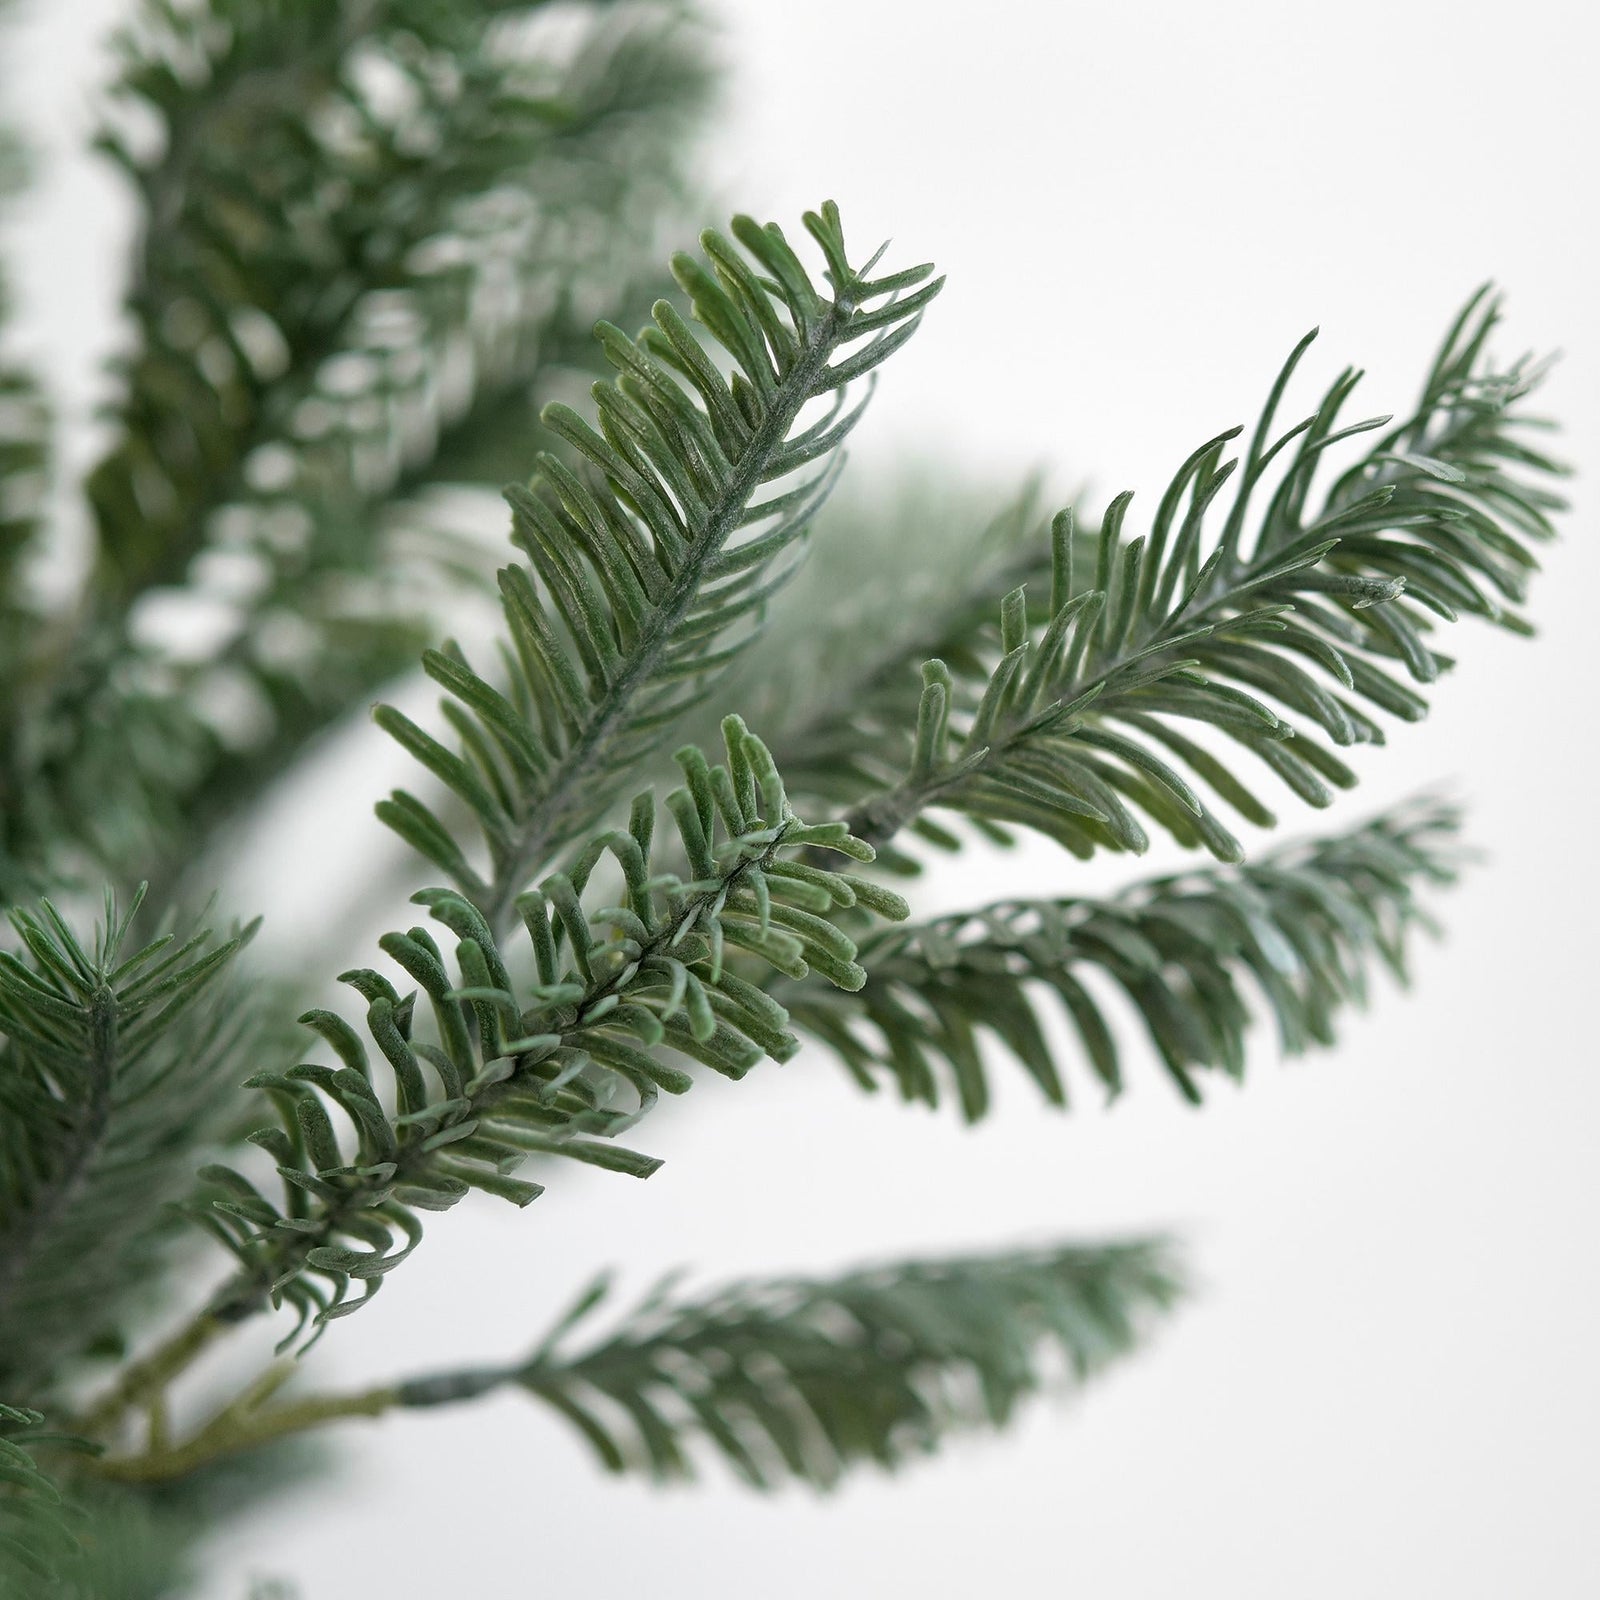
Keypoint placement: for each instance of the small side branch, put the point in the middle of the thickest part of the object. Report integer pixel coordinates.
(251, 1421)
(149, 1378)
(245, 1425)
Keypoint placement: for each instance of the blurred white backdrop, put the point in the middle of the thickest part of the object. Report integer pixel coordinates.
(1386, 1385)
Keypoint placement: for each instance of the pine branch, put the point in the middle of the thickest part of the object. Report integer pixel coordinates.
(249, 1423)
(558, 1073)
(503, 1080)
(1076, 727)
(789, 1379)
(356, 650)
(108, 1078)
(438, 181)
(803, 1379)
(1300, 930)
(656, 573)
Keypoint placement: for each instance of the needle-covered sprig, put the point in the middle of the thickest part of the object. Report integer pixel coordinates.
(1273, 624)
(621, 993)
(118, 1062)
(1198, 956)
(652, 565)
(800, 1379)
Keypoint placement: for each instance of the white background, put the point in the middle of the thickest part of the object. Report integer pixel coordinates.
(1387, 1384)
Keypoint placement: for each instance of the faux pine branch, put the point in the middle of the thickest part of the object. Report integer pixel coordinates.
(506, 1077)
(650, 579)
(371, 238)
(1072, 725)
(1302, 928)
(792, 1379)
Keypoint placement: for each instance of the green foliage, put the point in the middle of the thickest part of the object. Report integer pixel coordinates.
(102, 1543)
(803, 1379)
(651, 577)
(1070, 724)
(24, 430)
(38, 1529)
(24, 485)
(558, 1070)
(110, 1068)
(95, 770)
(35, 1533)
(373, 235)
(1299, 928)
(24, 467)
(837, 679)
(341, 200)
(367, 229)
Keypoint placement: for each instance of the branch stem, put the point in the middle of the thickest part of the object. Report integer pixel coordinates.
(149, 1377)
(250, 1422)
(244, 1425)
